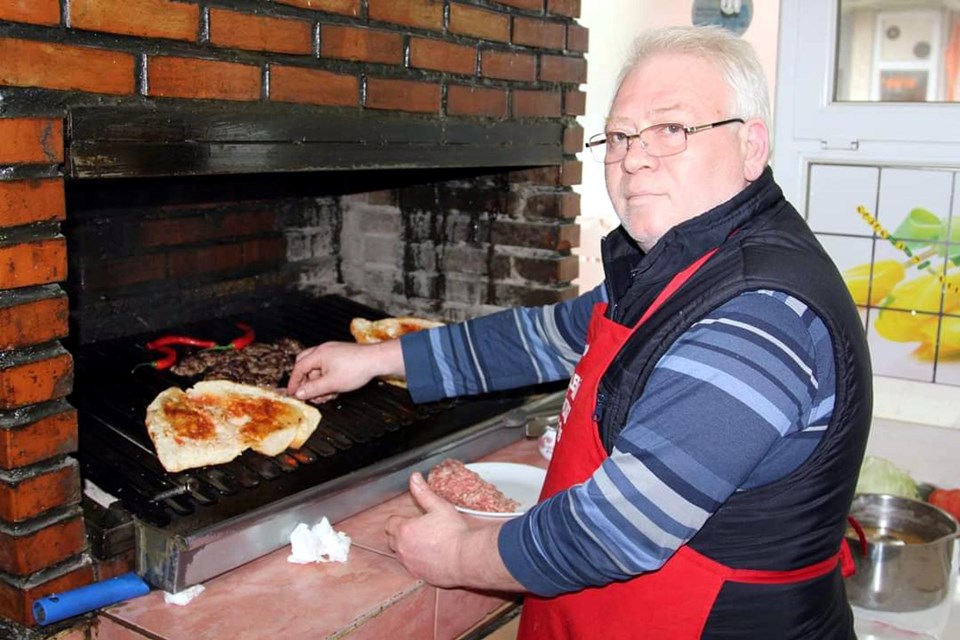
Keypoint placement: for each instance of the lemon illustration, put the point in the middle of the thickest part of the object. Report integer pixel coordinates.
(948, 339)
(904, 326)
(886, 275)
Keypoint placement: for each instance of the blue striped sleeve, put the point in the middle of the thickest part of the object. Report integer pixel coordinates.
(505, 350)
(732, 404)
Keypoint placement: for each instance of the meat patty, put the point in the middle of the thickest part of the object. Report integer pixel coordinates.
(454, 482)
(263, 364)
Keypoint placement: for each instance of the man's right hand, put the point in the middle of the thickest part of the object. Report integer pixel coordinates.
(323, 371)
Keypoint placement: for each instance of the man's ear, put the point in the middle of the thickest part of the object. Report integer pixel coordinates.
(755, 141)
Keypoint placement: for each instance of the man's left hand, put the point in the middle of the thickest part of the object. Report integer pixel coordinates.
(445, 548)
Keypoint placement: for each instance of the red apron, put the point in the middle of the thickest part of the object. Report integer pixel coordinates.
(672, 602)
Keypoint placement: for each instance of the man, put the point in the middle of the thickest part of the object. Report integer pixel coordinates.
(715, 423)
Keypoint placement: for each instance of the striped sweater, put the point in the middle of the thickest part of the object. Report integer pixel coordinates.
(740, 400)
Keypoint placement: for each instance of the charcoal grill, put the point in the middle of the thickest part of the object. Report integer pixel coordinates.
(194, 525)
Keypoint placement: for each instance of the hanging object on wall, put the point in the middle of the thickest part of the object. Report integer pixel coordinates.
(733, 15)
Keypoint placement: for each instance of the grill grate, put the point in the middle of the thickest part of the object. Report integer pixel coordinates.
(358, 429)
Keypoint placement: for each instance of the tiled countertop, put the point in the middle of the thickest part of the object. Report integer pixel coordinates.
(372, 596)
(369, 596)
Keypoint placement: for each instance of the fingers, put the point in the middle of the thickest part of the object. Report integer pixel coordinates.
(300, 371)
(424, 496)
(316, 389)
(308, 366)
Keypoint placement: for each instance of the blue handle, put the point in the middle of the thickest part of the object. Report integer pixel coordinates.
(60, 606)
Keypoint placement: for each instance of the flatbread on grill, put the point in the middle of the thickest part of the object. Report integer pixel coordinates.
(216, 420)
(372, 331)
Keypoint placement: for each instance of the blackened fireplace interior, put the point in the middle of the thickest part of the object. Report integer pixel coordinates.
(185, 223)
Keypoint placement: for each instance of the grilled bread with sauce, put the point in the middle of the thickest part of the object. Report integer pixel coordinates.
(372, 331)
(216, 420)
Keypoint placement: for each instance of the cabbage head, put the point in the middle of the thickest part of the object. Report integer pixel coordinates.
(879, 475)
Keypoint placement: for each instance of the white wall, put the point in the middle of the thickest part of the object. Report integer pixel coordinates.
(612, 25)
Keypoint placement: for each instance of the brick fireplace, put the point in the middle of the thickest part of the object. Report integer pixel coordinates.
(161, 160)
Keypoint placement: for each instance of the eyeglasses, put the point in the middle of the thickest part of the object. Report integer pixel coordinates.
(658, 140)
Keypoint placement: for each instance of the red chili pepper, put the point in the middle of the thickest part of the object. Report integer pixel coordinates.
(239, 343)
(246, 339)
(167, 361)
(165, 341)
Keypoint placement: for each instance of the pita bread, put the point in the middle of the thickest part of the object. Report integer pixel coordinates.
(372, 331)
(216, 420)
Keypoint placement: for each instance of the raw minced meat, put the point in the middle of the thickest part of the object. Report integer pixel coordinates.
(454, 482)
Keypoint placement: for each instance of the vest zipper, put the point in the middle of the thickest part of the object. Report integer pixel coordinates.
(598, 409)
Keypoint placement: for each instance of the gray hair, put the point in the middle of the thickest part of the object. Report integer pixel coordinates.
(735, 58)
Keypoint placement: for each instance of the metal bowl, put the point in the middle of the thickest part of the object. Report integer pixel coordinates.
(910, 554)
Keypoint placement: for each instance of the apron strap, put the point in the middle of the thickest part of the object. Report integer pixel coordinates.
(675, 284)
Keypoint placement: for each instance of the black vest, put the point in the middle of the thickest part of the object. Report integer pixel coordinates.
(797, 520)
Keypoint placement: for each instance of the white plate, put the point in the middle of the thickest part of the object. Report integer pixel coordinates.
(521, 482)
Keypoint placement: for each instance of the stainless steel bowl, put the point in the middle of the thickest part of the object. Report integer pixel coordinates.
(910, 551)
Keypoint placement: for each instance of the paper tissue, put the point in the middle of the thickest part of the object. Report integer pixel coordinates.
(320, 543)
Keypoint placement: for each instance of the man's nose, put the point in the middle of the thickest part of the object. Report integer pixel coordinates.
(637, 157)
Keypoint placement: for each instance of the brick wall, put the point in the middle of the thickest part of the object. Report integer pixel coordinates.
(496, 238)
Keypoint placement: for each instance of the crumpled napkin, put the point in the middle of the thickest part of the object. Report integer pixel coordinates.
(320, 543)
(183, 597)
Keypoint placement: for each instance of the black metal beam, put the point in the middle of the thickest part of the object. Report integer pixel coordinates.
(106, 142)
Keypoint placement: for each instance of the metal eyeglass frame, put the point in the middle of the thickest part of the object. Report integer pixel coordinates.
(601, 138)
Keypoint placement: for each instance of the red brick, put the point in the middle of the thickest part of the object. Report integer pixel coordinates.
(578, 38)
(313, 86)
(37, 494)
(190, 229)
(476, 101)
(115, 566)
(574, 103)
(36, 262)
(568, 8)
(122, 272)
(403, 95)
(36, 381)
(479, 23)
(563, 69)
(207, 259)
(537, 235)
(553, 270)
(528, 104)
(53, 435)
(531, 5)
(571, 173)
(565, 206)
(23, 555)
(264, 251)
(31, 141)
(573, 139)
(190, 78)
(353, 43)
(506, 65)
(426, 14)
(443, 56)
(143, 18)
(533, 32)
(46, 12)
(16, 601)
(33, 322)
(260, 33)
(570, 207)
(344, 7)
(545, 176)
(28, 201)
(28, 63)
